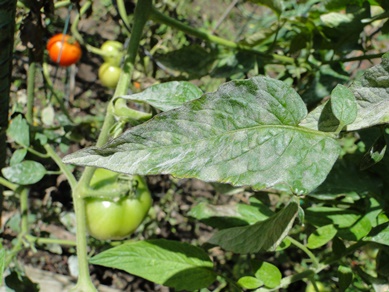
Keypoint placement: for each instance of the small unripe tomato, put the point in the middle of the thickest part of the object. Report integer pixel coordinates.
(115, 51)
(64, 49)
(114, 219)
(109, 75)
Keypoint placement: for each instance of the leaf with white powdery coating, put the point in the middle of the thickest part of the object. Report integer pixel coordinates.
(372, 97)
(245, 133)
(166, 96)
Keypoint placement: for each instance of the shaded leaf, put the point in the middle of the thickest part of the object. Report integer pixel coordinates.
(245, 133)
(193, 60)
(275, 5)
(261, 236)
(166, 96)
(224, 216)
(170, 263)
(24, 173)
(350, 224)
(19, 131)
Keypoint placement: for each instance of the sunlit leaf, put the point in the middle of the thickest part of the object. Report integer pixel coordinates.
(170, 263)
(245, 133)
(24, 173)
(372, 97)
(343, 105)
(321, 236)
(166, 96)
(269, 274)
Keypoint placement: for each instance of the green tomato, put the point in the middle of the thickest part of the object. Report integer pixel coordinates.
(109, 75)
(115, 51)
(115, 219)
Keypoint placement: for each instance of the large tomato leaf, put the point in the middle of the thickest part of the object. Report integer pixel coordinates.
(372, 97)
(261, 236)
(166, 262)
(245, 133)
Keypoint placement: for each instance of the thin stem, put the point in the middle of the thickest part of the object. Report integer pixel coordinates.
(36, 153)
(23, 191)
(352, 59)
(24, 210)
(314, 260)
(141, 13)
(30, 89)
(41, 240)
(65, 169)
(161, 18)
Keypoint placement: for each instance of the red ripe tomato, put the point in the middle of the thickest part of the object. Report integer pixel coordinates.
(64, 50)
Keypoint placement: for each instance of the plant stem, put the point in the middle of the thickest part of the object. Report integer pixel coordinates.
(23, 191)
(41, 240)
(141, 13)
(352, 59)
(30, 89)
(161, 18)
(65, 169)
(24, 210)
(8, 184)
(314, 260)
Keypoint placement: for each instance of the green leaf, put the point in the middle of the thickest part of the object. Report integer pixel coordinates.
(225, 216)
(193, 60)
(166, 96)
(343, 105)
(321, 236)
(170, 263)
(24, 173)
(221, 216)
(350, 224)
(245, 133)
(375, 154)
(379, 234)
(372, 97)
(269, 274)
(19, 131)
(248, 282)
(276, 5)
(18, 156)
(261, 236)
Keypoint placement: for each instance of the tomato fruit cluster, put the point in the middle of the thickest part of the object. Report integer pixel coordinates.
(109, 71)
(64, 50)
(119, 217)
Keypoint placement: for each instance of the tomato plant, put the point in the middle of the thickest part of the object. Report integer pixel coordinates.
(64, 50)
(109, 75)
(115, 51)
(120, 216)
